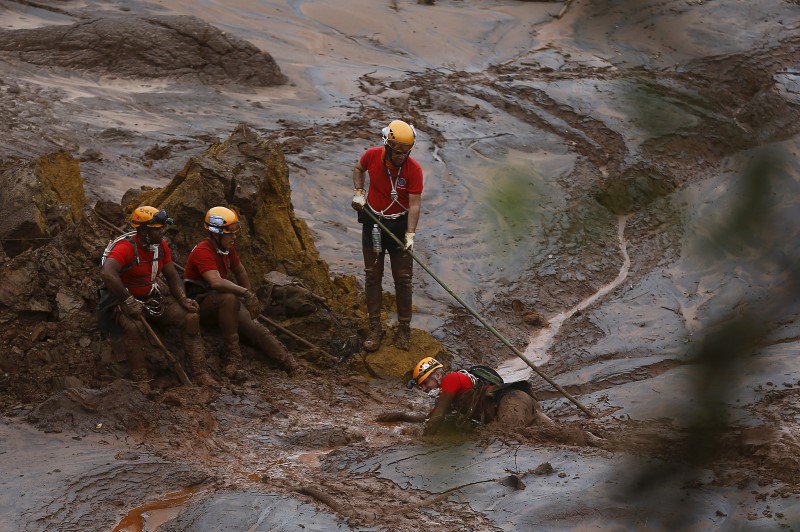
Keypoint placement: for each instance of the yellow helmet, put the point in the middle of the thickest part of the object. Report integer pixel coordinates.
(423, 370)
(149, 217)
(221, 220)
(399, 136)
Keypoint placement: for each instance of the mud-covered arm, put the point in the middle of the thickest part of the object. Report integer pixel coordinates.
(414, 206)
(174, 282)
(216, 282)
(438, 414)
(359, 179)
(110, 274)
(241, 275)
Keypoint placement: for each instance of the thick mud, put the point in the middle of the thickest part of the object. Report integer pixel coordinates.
(614, 191)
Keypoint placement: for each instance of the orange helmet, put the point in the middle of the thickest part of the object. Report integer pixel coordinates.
(149, 217)
(222, 220)
(423, 370)
(399, 136)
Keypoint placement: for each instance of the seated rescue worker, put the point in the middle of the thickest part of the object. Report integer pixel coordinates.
(477, 395)
(232, 306)
(130, 272)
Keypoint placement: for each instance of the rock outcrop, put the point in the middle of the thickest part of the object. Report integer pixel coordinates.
(250, 176)
(39, 199)
(171, 47)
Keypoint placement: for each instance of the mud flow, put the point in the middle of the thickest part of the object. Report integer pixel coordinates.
(609, 212)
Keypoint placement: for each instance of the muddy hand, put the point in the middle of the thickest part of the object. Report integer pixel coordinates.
(252, 303)
(132, 307)
(388, 417)
(190, 305)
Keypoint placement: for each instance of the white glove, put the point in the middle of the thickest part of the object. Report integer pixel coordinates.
(409, 242)
(359, 199)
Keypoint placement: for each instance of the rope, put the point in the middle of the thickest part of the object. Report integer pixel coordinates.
(477, 316)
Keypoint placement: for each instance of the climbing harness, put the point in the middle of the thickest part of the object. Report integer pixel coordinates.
(153, 302)
(394, 196)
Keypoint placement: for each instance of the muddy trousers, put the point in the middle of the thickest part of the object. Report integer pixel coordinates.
(134, 337)
(226, 311)
(402, 267)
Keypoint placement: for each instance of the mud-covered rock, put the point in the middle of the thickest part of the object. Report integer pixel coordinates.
(173, 47)
(39, 198)
(248, 174)
(120, 406)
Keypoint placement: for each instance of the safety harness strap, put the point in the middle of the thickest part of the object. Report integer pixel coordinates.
(394, 195)
(154, 291)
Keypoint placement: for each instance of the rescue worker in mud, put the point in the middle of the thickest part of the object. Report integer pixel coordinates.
(394, 197)
(232, 306)
(477, 395)
(130, 271)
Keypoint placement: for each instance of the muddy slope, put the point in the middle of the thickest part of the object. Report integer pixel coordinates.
(554, 148)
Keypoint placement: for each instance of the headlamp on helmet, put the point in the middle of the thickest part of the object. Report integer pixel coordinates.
(147, 216)
(222, 221)
(423, 370)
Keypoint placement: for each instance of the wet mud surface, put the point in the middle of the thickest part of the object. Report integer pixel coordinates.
(540, 138)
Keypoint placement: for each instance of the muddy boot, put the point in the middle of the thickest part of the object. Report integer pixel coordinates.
(270, 347)
(292, 368)
(141, 379)
(374, 336)
(196, 355)
(402, 338)
(232, 368)
(287, 362)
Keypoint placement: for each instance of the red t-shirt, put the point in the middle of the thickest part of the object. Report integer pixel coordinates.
(137, 278)
(408, 179)
(454, 383)
(204, 257)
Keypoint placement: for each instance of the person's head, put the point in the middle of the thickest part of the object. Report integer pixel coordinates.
(427, 375)
(398, 140)
(222, 224)
(149, 223)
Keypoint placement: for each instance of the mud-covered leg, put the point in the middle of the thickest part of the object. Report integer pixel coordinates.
(133, 342)
(402, 265)
(373, 269)
(266, 343)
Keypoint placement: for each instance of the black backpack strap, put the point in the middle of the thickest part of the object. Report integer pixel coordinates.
(486, 374)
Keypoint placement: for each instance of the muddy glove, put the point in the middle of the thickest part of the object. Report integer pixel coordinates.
(409, 246)
(252, 304)
(132, 308)
(359, 199)
(190, 305)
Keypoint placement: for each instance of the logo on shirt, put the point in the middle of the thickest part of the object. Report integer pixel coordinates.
(401, 182)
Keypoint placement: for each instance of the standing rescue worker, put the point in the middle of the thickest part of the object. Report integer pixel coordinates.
(232, 306)
(130, 272)
(394, 197)
(470, 398)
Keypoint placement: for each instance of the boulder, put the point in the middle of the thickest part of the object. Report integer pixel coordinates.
(172, 47)
(249, 175)
(39, 199)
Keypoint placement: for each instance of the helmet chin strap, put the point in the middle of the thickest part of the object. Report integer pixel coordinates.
(217, 239)
(387, 158)
(147, 241)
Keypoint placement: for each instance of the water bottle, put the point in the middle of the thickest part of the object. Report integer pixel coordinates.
(376, 239)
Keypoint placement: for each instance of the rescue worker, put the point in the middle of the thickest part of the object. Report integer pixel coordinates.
(394, 197)
(470, 397)
(232, 306)
(130, 271)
